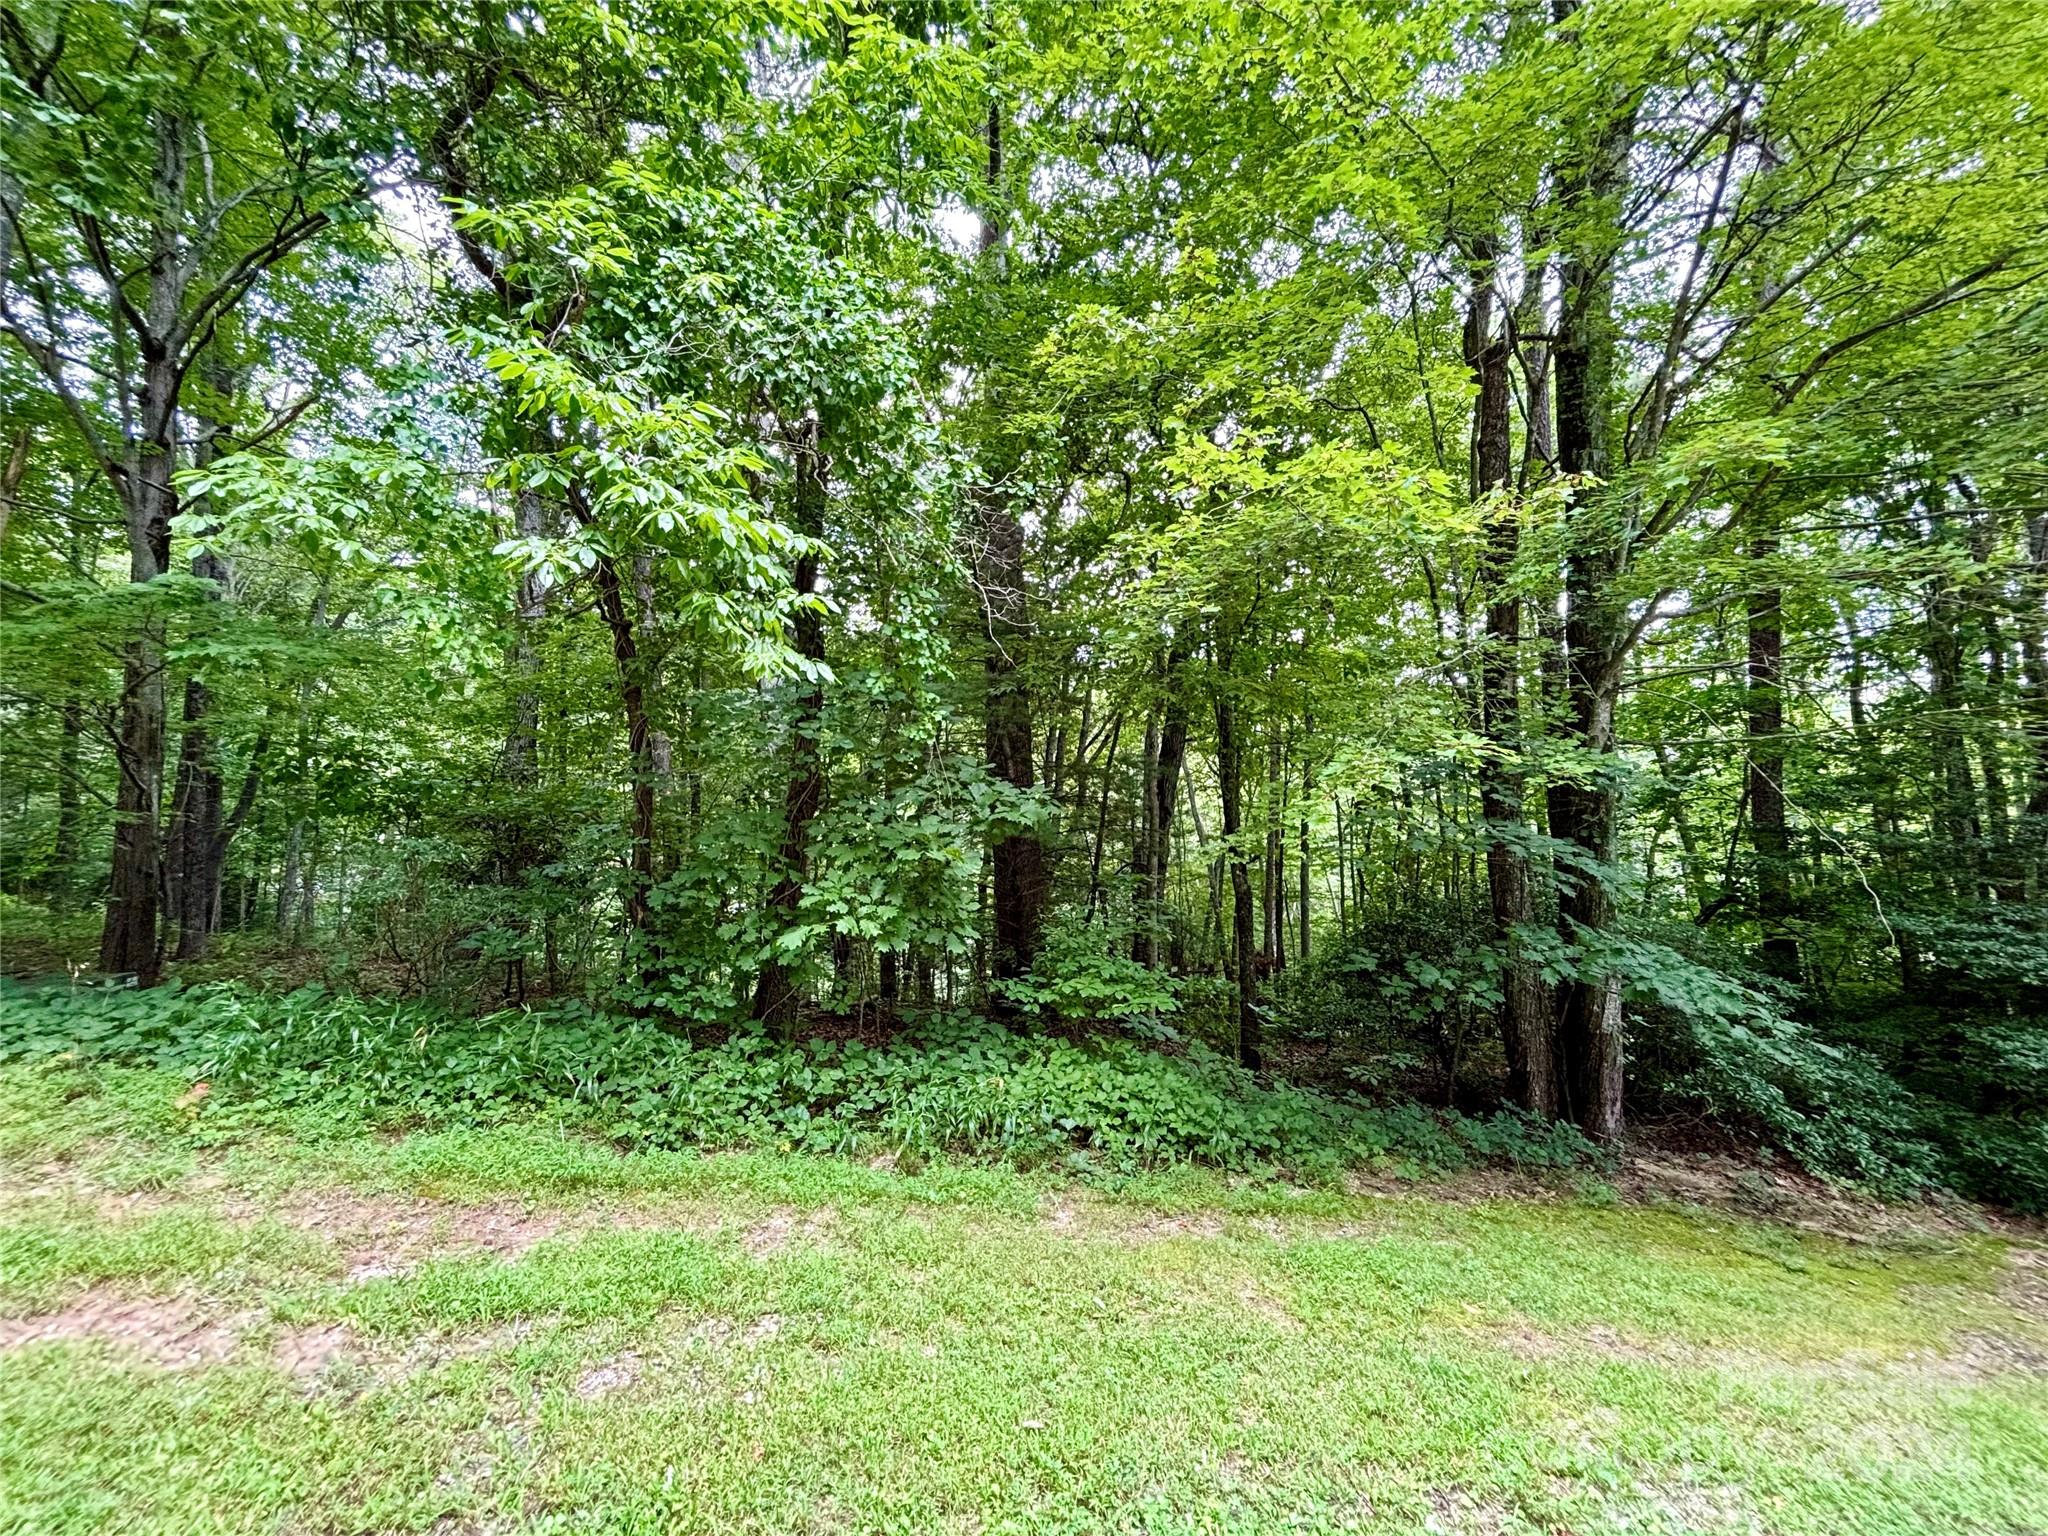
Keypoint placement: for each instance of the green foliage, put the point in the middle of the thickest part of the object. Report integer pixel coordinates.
(1084, 972)
(952, 1084)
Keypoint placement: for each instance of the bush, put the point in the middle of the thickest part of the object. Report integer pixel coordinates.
(1086, 973)
(954, 1084)
(1704, 1033)
(1405, 995)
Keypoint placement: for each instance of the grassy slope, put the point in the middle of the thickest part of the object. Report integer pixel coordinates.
(762, 1343)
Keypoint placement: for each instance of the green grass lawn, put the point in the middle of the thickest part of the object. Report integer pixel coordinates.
(517, 1331)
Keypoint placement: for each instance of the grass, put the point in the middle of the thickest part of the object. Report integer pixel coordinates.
(766, 1342)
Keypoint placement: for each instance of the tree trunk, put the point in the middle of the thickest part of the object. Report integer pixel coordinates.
(1162, 796)
(129, 941)
(1017, 861)
(1582, 808)
(1765, 718)
(1525, 1019)
(1274, 871)
(198, 835)
(1308, 784)
(1244, 953)
(776, 998)
(611, 603)
(1017, 867)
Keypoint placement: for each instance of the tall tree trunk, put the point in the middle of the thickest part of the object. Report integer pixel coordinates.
(1017, 861)
(1245, 956)
(1308, 785)
(199, 831)
(1017, 866)
(129, 941)
(611, 603)
(1765, 719)
(1274, 870)
(1524, 1015)
(15, 470)
(1582, 807)
(1162, 796)
(1955, 788)
(776, 998)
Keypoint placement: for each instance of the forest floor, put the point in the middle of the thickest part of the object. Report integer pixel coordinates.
(516, 1331)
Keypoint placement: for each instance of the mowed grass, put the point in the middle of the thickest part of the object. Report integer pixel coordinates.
(515, 1331)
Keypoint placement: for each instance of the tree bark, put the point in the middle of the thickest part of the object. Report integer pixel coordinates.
(1765, 719)
(1017, 860)
(1162, 796)
(1582, 806)
(1308, 784)
(1245, 955)
(197, 842)
(1017, 867)
(129, 941)
(1524, 1015)
(776, 998)
(611, 602)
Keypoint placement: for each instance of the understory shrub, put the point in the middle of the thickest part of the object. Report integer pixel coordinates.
(1418, 989)
(1702, 1033)
(952, 1083)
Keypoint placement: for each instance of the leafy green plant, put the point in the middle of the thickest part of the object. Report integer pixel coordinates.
(1085, 972)
(953, 1084)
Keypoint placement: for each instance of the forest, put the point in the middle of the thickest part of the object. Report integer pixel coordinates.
(1003, 768)
(1477, 562)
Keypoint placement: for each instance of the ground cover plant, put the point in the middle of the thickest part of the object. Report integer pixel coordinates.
(953, 1084)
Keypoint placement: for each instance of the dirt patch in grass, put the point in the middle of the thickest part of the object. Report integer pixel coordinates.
(1974, 1356)
(384, 1235)
(314, 1352)
(787, 1228)
(307, 1352)
(172, 1331)
(1457, 1513)
(1775, 1191)
(1467, 1188)
(1263, 1303)
(1743, 1182)
(2023, 1285)
(608, 1376)
(1089, 1219)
